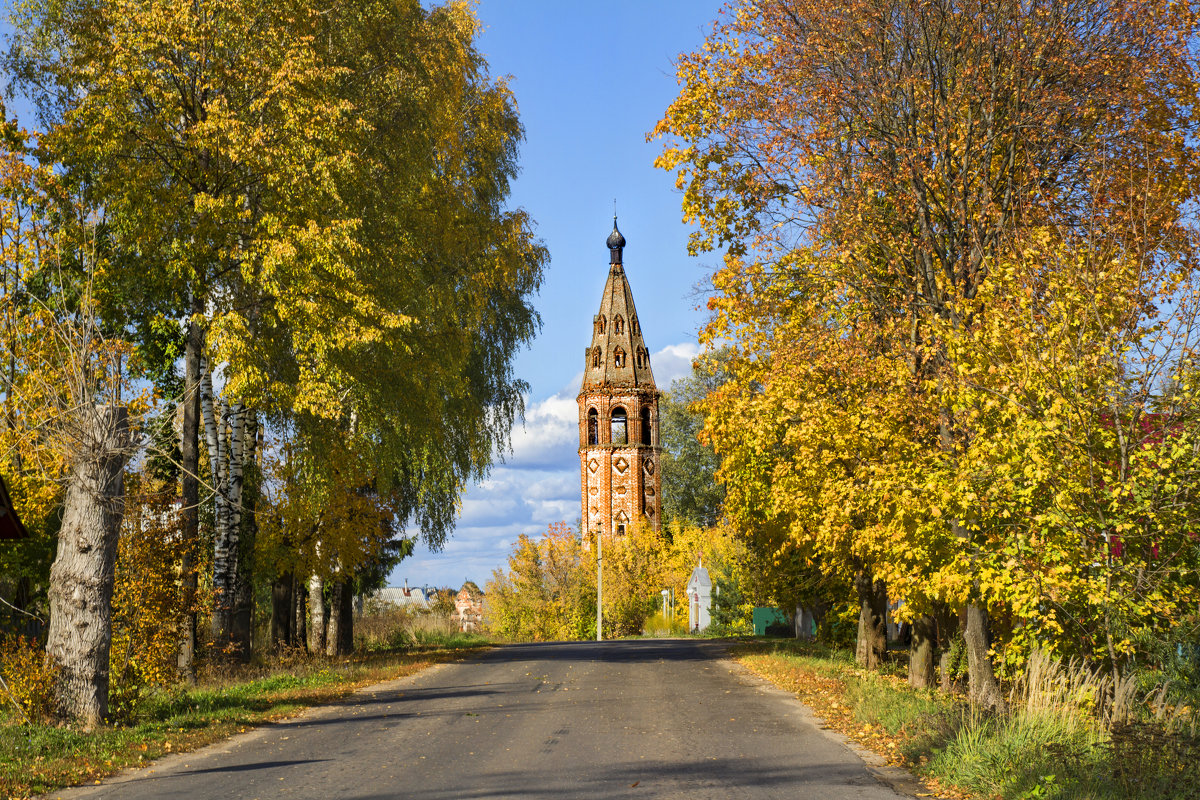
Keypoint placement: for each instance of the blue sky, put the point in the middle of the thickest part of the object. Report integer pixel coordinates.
(590, 80)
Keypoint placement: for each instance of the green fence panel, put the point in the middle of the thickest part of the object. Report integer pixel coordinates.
(766, 617)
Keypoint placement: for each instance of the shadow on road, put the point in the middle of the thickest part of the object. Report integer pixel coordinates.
(620, 651)
(641, 778)
(247, 767)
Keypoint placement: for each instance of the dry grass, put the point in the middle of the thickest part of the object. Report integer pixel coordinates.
(391, 628)
(1072, 732)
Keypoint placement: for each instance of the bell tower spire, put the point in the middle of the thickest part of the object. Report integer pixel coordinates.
(615, 242)
(618, 413)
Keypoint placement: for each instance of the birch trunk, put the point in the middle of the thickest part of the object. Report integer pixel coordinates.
(243, 610)
(189, 450)
(299, 606)
(212, 437)
(228, 519)
(316, 613)
(81, 579)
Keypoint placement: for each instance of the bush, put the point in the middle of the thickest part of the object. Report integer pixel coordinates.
(29, 677)
(659, 626)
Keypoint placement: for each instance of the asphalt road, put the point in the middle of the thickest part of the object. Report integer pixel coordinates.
(653, 718)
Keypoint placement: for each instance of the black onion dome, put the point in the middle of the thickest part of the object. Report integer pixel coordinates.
(615, 239)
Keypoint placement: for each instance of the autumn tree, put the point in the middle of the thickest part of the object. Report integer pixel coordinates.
(319, 195)
(1081, 394)
(690, 490)
(31, 470)
(548, 591)
(904, 150)
(432, 300)
(66, 420)
(175, 118)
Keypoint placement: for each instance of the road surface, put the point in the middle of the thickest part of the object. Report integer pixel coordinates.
(650, 718)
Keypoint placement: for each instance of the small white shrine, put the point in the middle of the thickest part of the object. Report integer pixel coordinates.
(699, 593)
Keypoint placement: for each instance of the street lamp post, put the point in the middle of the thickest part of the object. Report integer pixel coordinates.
(599, 581)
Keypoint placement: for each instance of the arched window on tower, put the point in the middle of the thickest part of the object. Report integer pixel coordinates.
(619, 426)
(618, 324)
(595, 356)
(639, 359)
(646, 425)
(618, 357)
(633, 325)
(593, 427)
(599, 323)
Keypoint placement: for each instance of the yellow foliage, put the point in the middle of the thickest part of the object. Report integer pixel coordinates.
(549, 589)
(147, 602)
(30, 676)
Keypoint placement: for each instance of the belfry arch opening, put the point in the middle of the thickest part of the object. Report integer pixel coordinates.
(619, 426)
(593, 427)
(645, 426)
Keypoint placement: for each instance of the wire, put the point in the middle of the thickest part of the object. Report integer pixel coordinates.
(22, 611)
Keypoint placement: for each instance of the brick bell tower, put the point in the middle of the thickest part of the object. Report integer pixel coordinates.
(618, 414)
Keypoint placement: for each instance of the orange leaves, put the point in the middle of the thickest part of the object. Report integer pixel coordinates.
(955, 238)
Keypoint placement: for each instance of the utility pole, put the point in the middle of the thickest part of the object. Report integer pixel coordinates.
(599, 581)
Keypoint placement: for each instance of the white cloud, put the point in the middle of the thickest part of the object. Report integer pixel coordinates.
(536, 485)
(549, 436)
(673, 362)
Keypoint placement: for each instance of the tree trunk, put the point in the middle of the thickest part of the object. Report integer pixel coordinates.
(920, 653)
(242, 630)
(81, 579)
(226, 541)
(333, 627)
(948, 625)
(984, 689)
(316, 610)
(281, 611)
(189, 450)
(299, 629)
(214, 416)
(872, 620)
(345, 612)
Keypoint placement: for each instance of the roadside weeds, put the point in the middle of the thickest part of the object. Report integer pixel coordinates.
(964, 754)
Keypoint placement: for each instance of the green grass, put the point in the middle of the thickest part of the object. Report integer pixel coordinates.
(1040, 751)
(39, 758)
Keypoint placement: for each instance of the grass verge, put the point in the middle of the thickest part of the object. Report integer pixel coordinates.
(35, 759)
(1057, 752)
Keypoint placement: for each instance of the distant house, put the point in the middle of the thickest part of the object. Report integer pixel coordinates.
(468, 608)
(402, 597)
